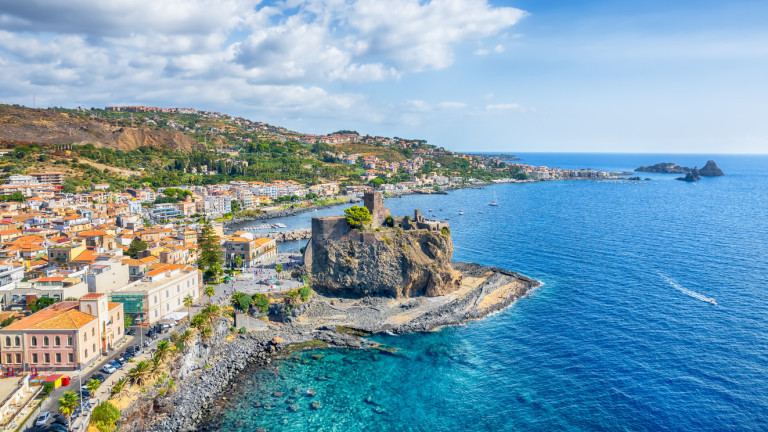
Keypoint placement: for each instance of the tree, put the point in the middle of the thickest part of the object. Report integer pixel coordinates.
(210, 291)
(105, 417)
(377, 182)
(212, 312)
(185, 338)
(67, 404)
(42, 303)
(235, 206)
(210, 252)
(261, 302)
(305, 292)
(241, 301)
(127, 321)
(279, 269)
(137, 245)
(92, 386)
(358, 216)
(206, 333)
(118, 388)
(164, 349)
(188, 302)
(70, 185)
(140, 373)
(238, 261)
(198, 321)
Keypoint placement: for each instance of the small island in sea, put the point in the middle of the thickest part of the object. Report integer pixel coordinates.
(710, 169)
(370, 272)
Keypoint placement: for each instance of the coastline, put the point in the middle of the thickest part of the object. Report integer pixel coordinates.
(205, 372)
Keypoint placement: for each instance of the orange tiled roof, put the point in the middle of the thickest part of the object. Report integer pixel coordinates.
(91, 296)
(59, 316)
(111, 305)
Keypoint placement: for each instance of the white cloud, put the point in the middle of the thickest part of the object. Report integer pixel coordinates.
(508, 107)
(498, 49)
(482, 51)
(294, 56)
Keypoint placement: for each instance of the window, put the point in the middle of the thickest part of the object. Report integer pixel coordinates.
(46, 341)
(155, 299)
(118, 315)
(85, 337)
(57, 341)
(155, 314)
(86, 353)
(71, 358)
(34, 341)
(58, 357)
(93, 331)
(8, 358)
(178, 288)
(18, 341)
(167, 293)
(94, 347)
(34, 358)
(89, 309)
(69, 340)
(8, 342)
(18, 358)
(47, 357)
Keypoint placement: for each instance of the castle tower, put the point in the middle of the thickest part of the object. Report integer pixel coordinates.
(375, 204)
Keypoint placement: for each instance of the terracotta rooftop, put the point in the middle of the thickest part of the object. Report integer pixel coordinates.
(59, 316)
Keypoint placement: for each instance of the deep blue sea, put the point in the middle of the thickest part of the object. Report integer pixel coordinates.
(618, 338)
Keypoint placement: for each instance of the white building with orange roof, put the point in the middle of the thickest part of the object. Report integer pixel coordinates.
(161, 291)
(65, 335)
(249, 249)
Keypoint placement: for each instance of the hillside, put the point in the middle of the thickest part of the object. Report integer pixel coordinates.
(131, 146)
(56, 127)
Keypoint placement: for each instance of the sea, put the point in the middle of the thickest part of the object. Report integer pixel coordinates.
(621, 336)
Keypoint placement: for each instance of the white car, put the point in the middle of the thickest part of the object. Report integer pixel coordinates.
(43, 419)
(108, 369)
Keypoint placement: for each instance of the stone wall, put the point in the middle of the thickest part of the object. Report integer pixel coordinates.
(333, 227)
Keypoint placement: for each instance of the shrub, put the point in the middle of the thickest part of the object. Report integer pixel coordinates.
(261, 302)
(389, 221)
(305, 292)
(446, 232)
(104, 416)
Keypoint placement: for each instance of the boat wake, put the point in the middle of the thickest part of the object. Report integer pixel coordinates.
(688, 292)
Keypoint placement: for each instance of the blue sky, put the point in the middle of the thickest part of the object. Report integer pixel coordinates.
(577, 76)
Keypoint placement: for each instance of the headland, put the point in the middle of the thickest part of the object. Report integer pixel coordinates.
(369, 275)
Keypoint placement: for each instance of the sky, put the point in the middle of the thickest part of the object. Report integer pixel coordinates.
(648, 76)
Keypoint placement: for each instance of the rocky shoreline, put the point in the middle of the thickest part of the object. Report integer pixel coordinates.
(284, 212)
(204, 373)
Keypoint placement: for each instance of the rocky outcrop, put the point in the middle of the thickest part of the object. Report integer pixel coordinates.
(711, 170)
(692, 176)
(664, 168)
(390, 263)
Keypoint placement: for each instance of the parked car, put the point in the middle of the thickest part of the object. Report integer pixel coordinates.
(43, 419)
(121, 360)
(131, 332)
(99, 377)
(115, 364)
(58, 427)
(108, 369)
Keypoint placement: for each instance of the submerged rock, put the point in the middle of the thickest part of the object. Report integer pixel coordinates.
(316, 405)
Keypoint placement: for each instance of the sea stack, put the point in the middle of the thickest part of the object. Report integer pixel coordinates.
(711, 170)
(692, 176)
(390, 256)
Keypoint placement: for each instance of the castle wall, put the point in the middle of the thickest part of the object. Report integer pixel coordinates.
(333, 228)
(375, 205)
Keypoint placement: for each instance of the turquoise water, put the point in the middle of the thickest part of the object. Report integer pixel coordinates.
(616, 339)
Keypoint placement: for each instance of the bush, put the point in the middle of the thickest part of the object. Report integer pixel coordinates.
(305, 292)
(389, 221)
(242, 330)
(261, 302)
(104, 416)
(48, 388)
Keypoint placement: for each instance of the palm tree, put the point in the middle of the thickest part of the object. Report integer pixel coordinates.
(236, 296)
(213, 312)
(118, 388)
(164, 349)
(188, 302)
(206, 333)
(198, 321)
(93, 385)
(67, 405)
(156, 365)
(279, 269)
(140, 373)
(186, 337)
(210, 291)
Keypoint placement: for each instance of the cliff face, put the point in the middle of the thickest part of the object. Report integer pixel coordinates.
(390, 263)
